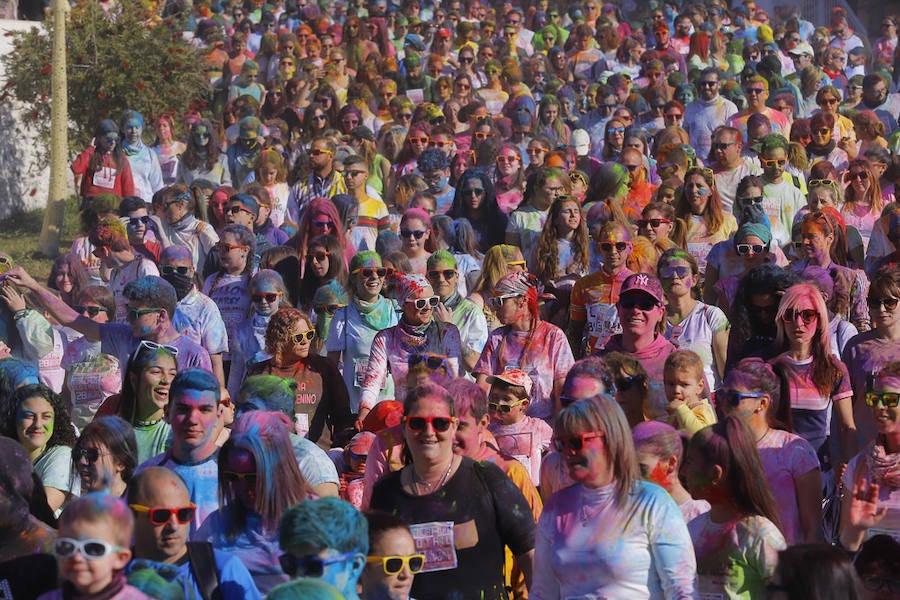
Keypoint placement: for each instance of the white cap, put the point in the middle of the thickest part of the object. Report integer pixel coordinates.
(581, 141)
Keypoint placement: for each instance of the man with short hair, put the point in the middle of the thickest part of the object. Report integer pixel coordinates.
(243, 155)
(151, 304)
(325, 538)
(323, 180)
(182, 228)
(138, 223)
(877, 97)
(756, 89)
(434, 166)
(728, 166)
(111, 246)
(781, 198)
(372, 215)
(194, 412)
(709, 111)
(162, 510)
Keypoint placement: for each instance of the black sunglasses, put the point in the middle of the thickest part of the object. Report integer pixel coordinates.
(436, 274)
(170, 270)
(624, 384)
(88, 454)
(888, 303)
(643, 302)
(432, 362)
(92, 311)
(308, 566)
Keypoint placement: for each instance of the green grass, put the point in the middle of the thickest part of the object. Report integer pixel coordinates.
(19, 235)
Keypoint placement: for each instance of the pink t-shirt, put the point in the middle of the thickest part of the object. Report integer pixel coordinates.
(526, 441)
(785, 458)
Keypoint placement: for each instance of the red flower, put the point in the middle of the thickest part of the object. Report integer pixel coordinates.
(101, 95)
(139, 85)
(126, 64)
(46, 69)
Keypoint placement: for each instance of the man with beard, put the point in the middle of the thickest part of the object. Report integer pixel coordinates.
(709, 111)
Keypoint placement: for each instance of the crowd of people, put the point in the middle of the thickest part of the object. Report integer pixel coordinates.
(472, 301)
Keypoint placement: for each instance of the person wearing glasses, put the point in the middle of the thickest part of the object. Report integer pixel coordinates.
(475, 199)
(756, 89)
(105, 456)
(586, 523)
(509, 177)
(138, 223)
(103, 167)
(322, 405)
(781, 198)
(257, 486)
(163, 512)
(182, 228)
(325, 539)
(823, 127)
(393, 560)
(323, 181)
(485, 507)
(863, 201)
(417, 333)
(869, 506)
(709, 111)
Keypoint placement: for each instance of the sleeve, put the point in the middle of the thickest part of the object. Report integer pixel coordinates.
(716, 319)
(545, 585)
(36, 334)
(842, 387)
(376, 371)
(376, 466)
(80, 164)
(671, 547)
(55, 469)
(116, 339)
(314, 463)
(156, 178)
(336, 407)
(235, 582)
(510, 506)
(764, 548)
(226, 172)
(802, 457)
(692, 420)
(477, 331)
(335, 341)
(127, 180)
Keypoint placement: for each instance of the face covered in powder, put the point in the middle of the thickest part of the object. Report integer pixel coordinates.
(35, 420)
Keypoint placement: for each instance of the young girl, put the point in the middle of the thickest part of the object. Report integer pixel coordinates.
(271, 173)
(415, 228)
(737, 542)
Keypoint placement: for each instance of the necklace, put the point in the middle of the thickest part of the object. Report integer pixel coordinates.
(147, 423)
(763, 436)
(429, 486)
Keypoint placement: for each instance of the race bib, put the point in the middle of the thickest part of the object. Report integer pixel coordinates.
(436, 541)
(105, 178)
(417, 96)
(359, 370)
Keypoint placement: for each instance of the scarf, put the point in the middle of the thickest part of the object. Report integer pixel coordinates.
(414, 331)
(814, 149)
(131, 150)
(884, 467)
(118, 584)
(187, 223)
(376, 315)
(453, 301)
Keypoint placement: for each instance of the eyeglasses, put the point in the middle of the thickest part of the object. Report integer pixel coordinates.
(888, 303)
(171, 270)
(317, 256)
(642, 302)
(133, 222)
(92, 311)
(423, 303)
(820, 182)
(309, 566)
(887, 399)
(626, 383)
(436, 274)
(608, 246)
(744, 249)
(418, 140)
(654, 223)
(370, 272)
(233, 477)
(161, 516)
(317, 152)
(507, 159)
(323, 224)
(92, 549)
(708, 83)
(439, 424)
(307, 335)
(723, 145)
(807, 315)
(269, 297)
(619, 129)
(133, 314)
(430, 361)
(859, 175)
(534, 151)
(394, 564)
(733, 397)
(90, 455)
(673, 116)
(405, 233)
(441, 145)
(233, 210)
(472, 191)
(505, 408)
(495, 301)
(670, 272)
(226, 247)
(749, 200)
(574, 443)
(772, 162)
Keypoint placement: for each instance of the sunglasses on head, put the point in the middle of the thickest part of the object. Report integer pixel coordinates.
(92, 549)
(430, 361)
(654, 223)
(423, 303)
(734, 398)
(307, 335)
(405, 233)
(92, 311)
(574, 443)
(608, 246)
(504, 408)
(886, 399)
(888, 303)
(439, 424)
(269, 297)
(807, 315)
(394, 564)
(744, 249)
(436, 274)
(669, 272)
(370, 272)
(171, 270)
(161, 516)
(640, 301)
(328, 308)
(309, 566)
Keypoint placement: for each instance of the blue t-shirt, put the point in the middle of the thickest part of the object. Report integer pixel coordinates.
(117, 340)
(202, 480)
(235, 582)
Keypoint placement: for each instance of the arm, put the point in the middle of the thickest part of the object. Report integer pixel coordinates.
(334, 357)
(58, 309)
(326, 489)
(545, 584)
(218, 369)
(859, 512)
(525, 562)
(709, 284)
(55, 497)
(846, 427)
(376, 374)
(720, 350)
(808, 488)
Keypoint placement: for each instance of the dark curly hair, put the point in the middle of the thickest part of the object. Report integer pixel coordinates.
(63, 431)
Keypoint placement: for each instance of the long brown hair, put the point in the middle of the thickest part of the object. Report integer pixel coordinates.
(547, 253)
(713, 216)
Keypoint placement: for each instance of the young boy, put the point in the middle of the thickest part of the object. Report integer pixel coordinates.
(95, 533)
(686, 390)
(524, 438)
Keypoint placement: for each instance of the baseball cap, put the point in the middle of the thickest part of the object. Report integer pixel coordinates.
(581, 141)
(644, 283)
(442, 32)
(361, 443)
(802, 49)
(514, 377)
(414, 40)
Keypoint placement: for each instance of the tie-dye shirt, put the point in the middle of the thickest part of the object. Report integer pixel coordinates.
(587, 547)
(735, 560)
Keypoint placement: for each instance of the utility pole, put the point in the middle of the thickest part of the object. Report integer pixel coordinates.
(51, 230)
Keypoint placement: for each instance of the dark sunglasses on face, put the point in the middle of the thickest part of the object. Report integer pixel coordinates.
(436, 274)
(430, 361)
(423, 303)
(405, 233)
(888, 303)
(504, 408)
(860, 175)
(307, 335)
(611, 130)
(574, 443)
(748, 200)
(439, 424)
(608, 246)
(473, 192)
(668, 272)
(234, 477)
(708, 83)
(807, 315)
(133, 314)
(887, 399)
(309, 566)
(642, 302)
(133, 222)
(317, 256)
(654, 223)
(535, 151)
(90, 455)
(323, 224)
(270, 297)
(625, 384)
(233, 210)
(744, 249)
(161, 516)
(171, 270)
(92, 311)
(370, 272)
